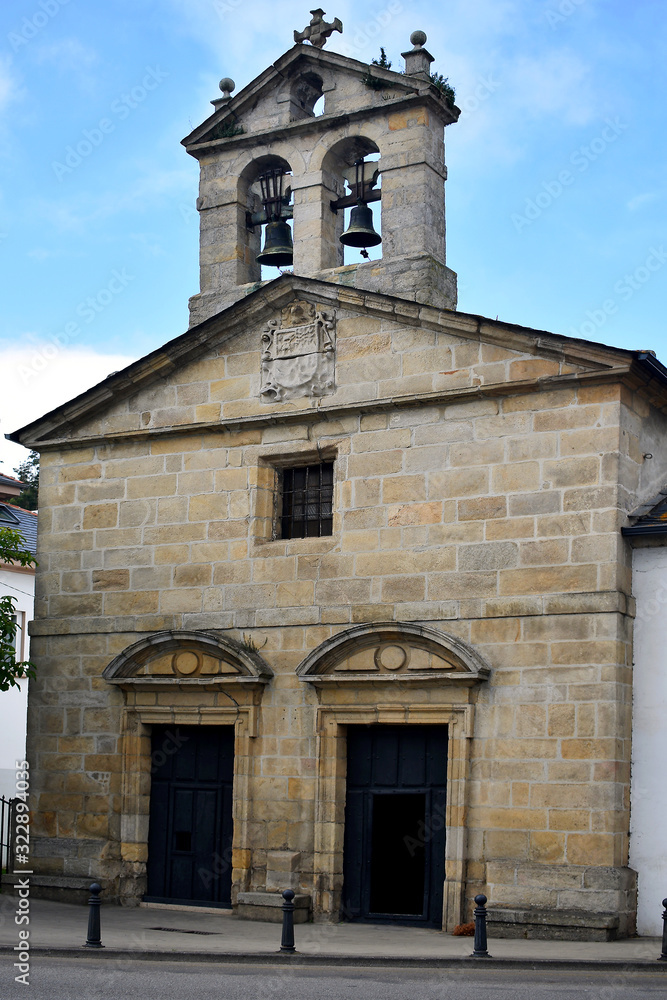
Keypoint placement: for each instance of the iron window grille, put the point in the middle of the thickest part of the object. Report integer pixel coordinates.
(307, 501)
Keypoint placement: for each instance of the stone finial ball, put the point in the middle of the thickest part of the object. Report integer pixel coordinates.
(418, 38)
(226, 84)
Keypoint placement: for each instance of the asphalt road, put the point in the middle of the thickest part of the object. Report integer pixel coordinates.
(103, 979)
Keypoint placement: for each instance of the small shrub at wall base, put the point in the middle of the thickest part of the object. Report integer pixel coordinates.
(464, 930)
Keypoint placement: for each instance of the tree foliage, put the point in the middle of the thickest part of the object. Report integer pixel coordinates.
(12, 550)
(28, 473)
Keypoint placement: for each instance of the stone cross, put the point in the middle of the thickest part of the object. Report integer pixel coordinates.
(318, 30)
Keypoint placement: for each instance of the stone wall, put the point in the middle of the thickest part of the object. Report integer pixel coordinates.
(493, 519)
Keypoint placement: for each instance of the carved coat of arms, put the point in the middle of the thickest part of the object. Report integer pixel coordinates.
(298, 354)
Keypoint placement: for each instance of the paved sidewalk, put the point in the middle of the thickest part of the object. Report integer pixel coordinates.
(168, 933)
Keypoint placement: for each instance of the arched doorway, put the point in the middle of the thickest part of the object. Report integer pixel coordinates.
(191, 707)
(406, 688)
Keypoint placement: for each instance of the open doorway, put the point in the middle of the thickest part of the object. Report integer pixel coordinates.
(394, 853)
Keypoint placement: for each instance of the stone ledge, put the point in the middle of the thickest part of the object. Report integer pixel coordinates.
(57, 888)
(551, 924)
(51, 881)
(599, 602)
(268, 906)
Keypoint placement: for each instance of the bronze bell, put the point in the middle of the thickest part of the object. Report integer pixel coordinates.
(360, 232)
(278, 247)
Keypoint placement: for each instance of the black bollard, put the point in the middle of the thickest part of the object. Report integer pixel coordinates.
(287, 942)
(94, 940)
(480, 928)
(663, 957)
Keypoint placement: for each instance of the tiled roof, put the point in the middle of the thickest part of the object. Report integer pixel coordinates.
(651, 517)
(9, 480)
(21, 520)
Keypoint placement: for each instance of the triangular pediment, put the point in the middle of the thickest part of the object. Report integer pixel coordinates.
(281, 95)
(386, 350)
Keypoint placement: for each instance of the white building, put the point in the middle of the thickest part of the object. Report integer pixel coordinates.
(648, 800)
(18, 582)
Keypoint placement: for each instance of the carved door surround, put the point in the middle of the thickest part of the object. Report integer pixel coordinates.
(158, 676)
(390, 673)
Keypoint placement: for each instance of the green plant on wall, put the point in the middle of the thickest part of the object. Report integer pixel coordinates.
(437, 79)
(442, 83)
(382, 62)
(228, 128)
(372, 81)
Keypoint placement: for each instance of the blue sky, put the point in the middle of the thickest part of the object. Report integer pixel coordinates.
(556, 197)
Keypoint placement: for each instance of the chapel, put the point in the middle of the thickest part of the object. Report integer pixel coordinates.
(332, 590)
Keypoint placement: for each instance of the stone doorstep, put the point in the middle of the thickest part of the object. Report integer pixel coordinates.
(268, 906)
(545, 923)
(182, 908)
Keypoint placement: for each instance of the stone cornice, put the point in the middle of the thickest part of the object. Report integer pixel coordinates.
(575, 603)
(323, 123)
(54, 428)
(333, 412)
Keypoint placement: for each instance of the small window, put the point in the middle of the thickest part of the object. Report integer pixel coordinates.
(17, 619)
(307, 501)
(7, 516)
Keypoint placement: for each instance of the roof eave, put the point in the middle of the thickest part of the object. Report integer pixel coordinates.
(279, 291)
(635, 530)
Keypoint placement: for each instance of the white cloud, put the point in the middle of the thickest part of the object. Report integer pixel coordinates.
(33, 383)
(8, 84)
(149, 244)
(554, 83)
(41, 253)
(640, 200)
(86, 208)
(67, 54)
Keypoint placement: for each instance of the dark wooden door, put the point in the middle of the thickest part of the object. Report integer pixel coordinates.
(190, 832)
(394, 854)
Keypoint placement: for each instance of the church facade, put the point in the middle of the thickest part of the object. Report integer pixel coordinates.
(332, 591)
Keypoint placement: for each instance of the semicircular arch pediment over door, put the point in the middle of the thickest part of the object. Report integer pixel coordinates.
(187, 657)
(398, 681)
(400, 652)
